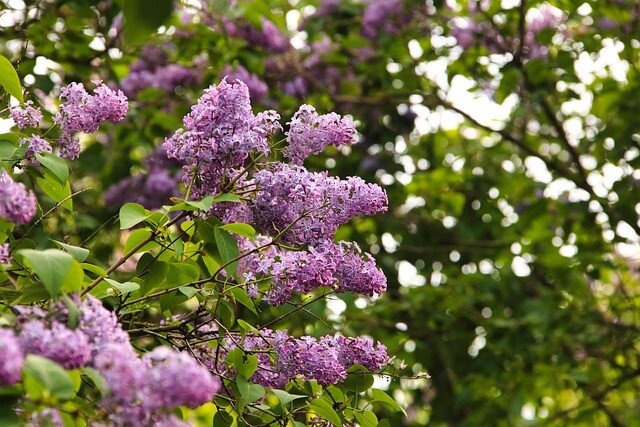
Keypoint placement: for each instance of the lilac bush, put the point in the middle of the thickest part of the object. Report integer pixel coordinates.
(264, 235)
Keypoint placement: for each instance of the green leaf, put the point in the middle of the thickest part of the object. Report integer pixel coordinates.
(58, 192)
(55, 165)
(285, 397)
(171, 301)
(249, 392)
(366, 418)
(73, 314)
(143, 17)
(9, 79)
(227, 197)
(222, 419)
(202, 205)
(78, 253)
(7, 148)
(182, 273)
(52, 266)
(381, 396)
(240, 228)
(98, 271)
(241, 296)
(189, 291)
(324, 409)
(137, 237)
(246, 326)
(226, 313)
(132, 214)
(245, 364)
(228, 248)
(51, 375)
(123, 288)
(358, 379)
(97, 379)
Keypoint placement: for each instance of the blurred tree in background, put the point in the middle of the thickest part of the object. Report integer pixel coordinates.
(505, 133)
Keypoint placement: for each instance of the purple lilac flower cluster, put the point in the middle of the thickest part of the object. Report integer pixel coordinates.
(467, 32)
(152, 189)
(309, 133)
(141, 389)
(11, 357)
(307, 207)
(342, 266)
(318, 71)
(36, 145)
(382, 16)
(282, 357)
(219, 134)
(70, 348)
(301, 208)
(27, 116)
(268, 37)
(83, 112)
(16, 203)
(257, 88)
(153, 70)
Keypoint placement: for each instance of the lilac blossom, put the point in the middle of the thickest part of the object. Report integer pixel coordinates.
(307, 207)
(465, 31)
(123, 371)
(341, 266)
(282, 357)
(27, 116)
(16, 204)
(268, 37)
(5, 256)
(468, 32)
(69, 146)
(361, 351)
(219, 134)
(309, 358)
(542, 17)
(36, 145)
(100, 325)
(167, 77)
(382, 16)
(309, 133)
(176, 379)
(327, 7)
(82, 112)
(257, 88)
(152, 189)
(140, 388)
(252, 291)
(69, 348)
(538, 19)
(11, 358)
(297, 87)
